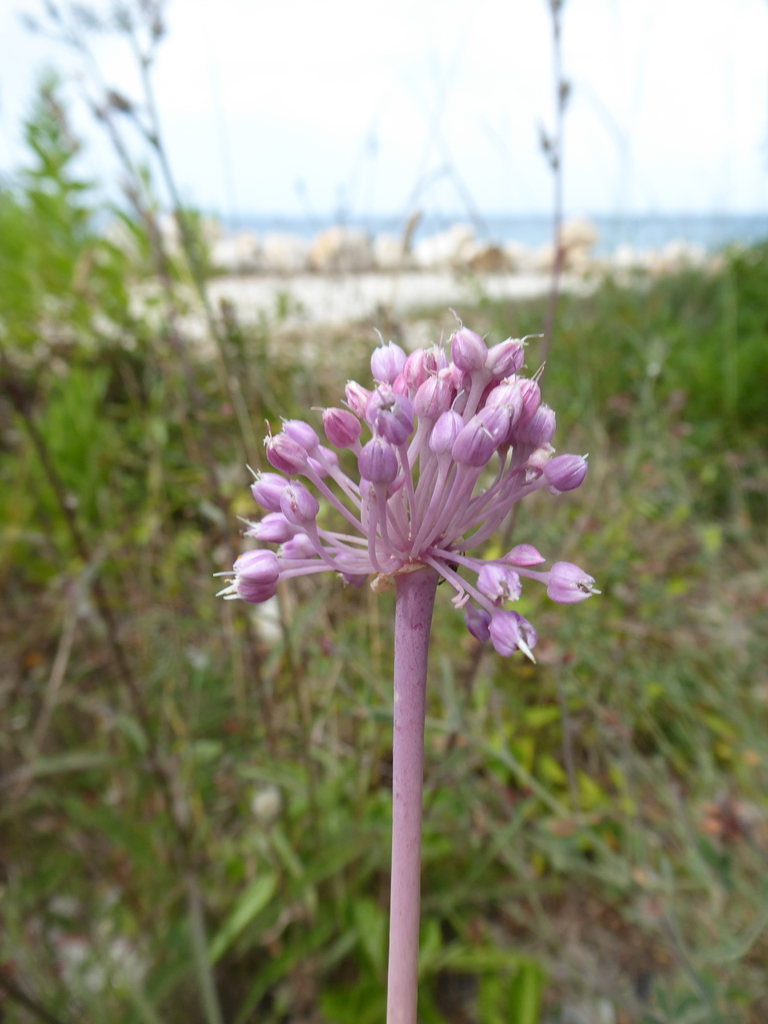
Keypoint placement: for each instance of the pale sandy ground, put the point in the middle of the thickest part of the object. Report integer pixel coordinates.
(336, 300)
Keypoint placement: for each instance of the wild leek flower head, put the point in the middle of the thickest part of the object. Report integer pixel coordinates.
(447, 440)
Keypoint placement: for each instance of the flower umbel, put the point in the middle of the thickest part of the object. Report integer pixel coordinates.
(445, 446)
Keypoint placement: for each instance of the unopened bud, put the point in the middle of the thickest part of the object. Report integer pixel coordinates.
(445, 431)
(498, 583)
(417, 368)
(530, 399)
(386, 362)
(259, 566)
(301, 433)
(392, 416)
(474, 446)
(298, 505)
(357, 398)
(497, 419)
(566, 472)
(569, 584)
(468, 350)
(298, 548)
(433, 398)
(505, 359)
(477, 621)
(523, 555)
(267, 489)
(540, 429)
(285, 454)
(342, 428)
(273, 528)
(510, 632)
(377, 461)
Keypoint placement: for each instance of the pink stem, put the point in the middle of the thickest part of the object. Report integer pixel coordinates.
(413, 617)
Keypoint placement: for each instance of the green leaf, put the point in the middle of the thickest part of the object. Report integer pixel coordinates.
(541, 715)
(252, 901)
(371, 924)
(430, 944)
(525, 997)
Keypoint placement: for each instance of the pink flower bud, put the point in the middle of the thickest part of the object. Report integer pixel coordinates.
(540, 429)
(418, 367)
(509, 396)
(510, 632)
(399, 386)
(298, 505)
(301, 433)
(341, 428)
(377, 462)
(285, 454)
(256, 575)
(267, 489)
(569, 584)
(386, 362)
(565, 472)
(468, 350)
(474, 446)
(530, 398)
(254, 593)
(273, 528)
(298, 547)
(357, 398)
(356, 581)
(433, 398)
(258, 566)
(477, 621)
(498, 583)
(523, 555)
(497, 419)
(445, 431)
(505, 359)
(391, 415)
(459, 379)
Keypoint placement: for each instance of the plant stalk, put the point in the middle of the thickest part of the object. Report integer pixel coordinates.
(413, 618)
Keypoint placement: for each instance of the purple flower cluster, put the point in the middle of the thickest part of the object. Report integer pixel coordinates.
(445, 447)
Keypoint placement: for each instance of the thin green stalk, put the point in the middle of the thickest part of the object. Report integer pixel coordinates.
(203, 967)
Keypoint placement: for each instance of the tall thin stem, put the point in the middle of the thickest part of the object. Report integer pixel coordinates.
(553, 148)
(413, 618)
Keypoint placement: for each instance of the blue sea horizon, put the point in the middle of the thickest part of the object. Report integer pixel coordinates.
(641, 231)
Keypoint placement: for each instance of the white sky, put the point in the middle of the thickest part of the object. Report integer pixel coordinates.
(298, 105)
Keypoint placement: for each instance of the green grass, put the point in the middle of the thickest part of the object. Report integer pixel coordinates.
(595, 825)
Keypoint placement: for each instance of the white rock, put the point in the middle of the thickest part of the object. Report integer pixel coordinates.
(486, 258)
(284, 254)
(237, 254)
(340, 250)
(579, 233)
(389, 253)
(446, 249)
(518, 256)
(626, 257)
(543, 259)
(578, 238)
(678, 255)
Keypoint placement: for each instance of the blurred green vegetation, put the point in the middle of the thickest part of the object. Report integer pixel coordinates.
(195, 795)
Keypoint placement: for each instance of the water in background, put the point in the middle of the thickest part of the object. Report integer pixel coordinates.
(642, 232)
